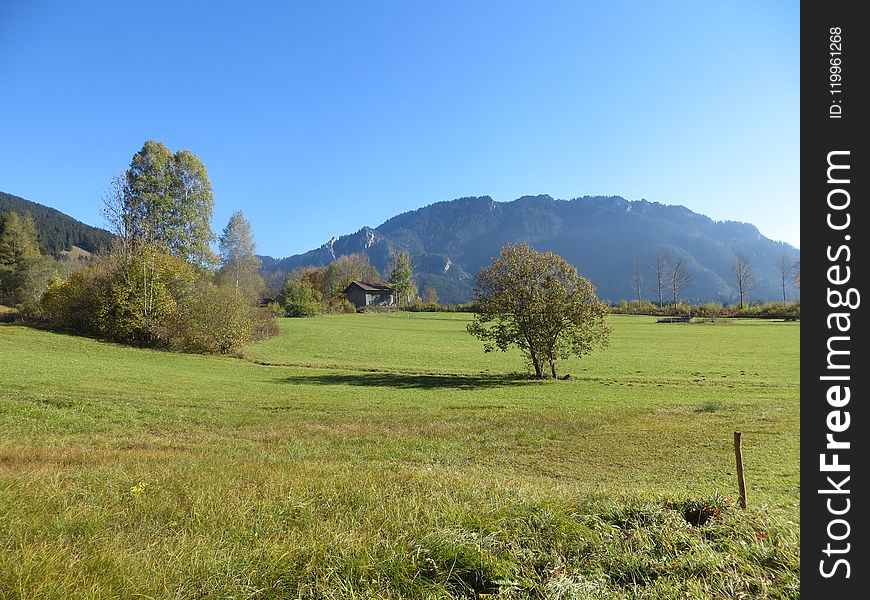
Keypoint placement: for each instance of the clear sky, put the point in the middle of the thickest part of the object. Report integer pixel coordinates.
(317, 118)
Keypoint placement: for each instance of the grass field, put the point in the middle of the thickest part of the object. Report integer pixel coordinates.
(386, 456)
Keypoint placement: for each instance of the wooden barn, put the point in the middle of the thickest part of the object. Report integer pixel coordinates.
(363, 293)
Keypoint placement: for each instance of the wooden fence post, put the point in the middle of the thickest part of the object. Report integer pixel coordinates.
(738, 453)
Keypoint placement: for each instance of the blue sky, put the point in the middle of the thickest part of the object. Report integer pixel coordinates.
(318, 118)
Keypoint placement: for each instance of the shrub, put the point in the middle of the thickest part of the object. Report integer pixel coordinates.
(122, 299)
(274, 309)
(469, 307)
(768, 310)
(346, 306)
(301, 299)
(264, 325)
(709, 310)
(210, 318)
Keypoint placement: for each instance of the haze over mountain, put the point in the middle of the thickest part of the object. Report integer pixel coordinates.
(602, 236)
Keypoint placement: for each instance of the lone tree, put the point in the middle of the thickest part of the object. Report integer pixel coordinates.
(637, 280)
(743, 275)
(430, 296)
(785, 269)
(18, 250)
(660, 263)
(539, 303)
(240, 267)
(680, 279)
(402, 277)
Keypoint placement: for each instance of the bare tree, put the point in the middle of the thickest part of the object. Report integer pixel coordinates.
(797, 274)
(743, 275)
(637, 280)
(680, 279)
(115, 213)
(660, 263)
(785, 269)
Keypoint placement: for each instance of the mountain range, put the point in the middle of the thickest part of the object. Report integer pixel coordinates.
(604, 237)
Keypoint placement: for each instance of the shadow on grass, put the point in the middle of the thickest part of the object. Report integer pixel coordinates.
(411, 380)
(59, 330)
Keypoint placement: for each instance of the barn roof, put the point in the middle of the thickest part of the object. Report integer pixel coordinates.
(371, 287)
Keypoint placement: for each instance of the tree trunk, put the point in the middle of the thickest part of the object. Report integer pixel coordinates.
(553, 369)
(537, 364)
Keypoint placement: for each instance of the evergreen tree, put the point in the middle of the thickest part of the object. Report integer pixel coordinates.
(18, 250)
(17, 239)
(56, 231)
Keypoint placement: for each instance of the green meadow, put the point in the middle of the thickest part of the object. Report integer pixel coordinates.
(387, 456)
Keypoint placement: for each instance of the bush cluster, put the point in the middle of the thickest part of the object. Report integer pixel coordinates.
(420, 306)
(711, 310)
(155, 299)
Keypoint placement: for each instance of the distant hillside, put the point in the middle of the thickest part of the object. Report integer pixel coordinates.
(57, 231)
(602, 236)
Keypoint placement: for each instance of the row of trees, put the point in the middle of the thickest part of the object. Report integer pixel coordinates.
(161, 284)
(674, 277)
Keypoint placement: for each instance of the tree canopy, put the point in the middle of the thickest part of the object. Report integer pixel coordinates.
(168, 202)
(350, 267)
(239, 263)
(540, 304)
(402, 277)
(301, 299)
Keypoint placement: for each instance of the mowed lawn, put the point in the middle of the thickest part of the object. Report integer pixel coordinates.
(386, 456)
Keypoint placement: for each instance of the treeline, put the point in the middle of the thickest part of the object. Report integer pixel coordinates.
(160, 284)
(709, 310)
(56, 231)
(670, 277)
